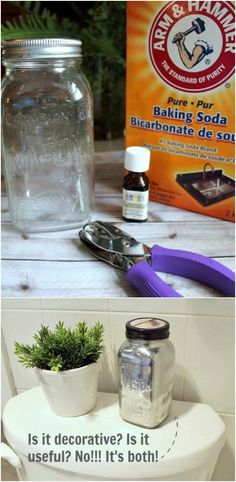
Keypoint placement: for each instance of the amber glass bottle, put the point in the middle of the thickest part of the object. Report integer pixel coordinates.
(136, 184)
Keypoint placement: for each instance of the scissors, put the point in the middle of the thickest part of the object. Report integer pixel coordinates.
(116, 247)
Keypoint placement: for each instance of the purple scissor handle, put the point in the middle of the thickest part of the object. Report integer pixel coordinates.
(182, 263)
(110, 244)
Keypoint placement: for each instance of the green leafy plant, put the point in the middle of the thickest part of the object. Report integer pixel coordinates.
(104, 42)
(62, 348)
(37, 21)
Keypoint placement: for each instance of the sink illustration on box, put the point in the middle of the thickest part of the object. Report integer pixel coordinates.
(207, 187)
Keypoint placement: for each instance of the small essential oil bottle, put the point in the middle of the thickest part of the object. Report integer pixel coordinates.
(136, 184)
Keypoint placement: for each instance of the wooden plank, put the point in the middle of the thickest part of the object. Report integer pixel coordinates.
(82, 279)
(202, 238)
(56, 264)
(110, 210)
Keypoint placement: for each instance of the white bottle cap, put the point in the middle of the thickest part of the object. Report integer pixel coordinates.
(137, 159)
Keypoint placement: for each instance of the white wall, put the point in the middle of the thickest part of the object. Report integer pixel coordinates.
(202, 331)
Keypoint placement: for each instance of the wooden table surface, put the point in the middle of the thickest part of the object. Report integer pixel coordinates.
(58, 265)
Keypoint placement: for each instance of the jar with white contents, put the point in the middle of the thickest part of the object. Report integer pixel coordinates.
(146, 372)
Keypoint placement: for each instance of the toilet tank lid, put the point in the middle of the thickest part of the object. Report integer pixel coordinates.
(187, 439)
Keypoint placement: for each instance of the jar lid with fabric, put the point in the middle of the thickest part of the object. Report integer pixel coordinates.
(147, 329)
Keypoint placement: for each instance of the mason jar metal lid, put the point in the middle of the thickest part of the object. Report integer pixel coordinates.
(148, 328)
(41, 48)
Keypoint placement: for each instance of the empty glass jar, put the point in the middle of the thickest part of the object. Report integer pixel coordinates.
(47, 122)
(146, 372)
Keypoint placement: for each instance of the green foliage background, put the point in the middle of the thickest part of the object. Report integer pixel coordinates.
(102, 29)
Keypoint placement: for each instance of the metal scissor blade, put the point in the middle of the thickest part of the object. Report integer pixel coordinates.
(111, 244)
(100, 253)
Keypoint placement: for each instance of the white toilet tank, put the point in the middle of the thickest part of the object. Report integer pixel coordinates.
(184, 447)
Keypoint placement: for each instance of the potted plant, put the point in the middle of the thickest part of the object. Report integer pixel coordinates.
(66, 365)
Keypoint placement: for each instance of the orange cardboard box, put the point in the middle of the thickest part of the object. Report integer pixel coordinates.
(180, 100)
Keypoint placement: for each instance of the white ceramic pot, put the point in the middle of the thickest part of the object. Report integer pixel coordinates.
(71, 392)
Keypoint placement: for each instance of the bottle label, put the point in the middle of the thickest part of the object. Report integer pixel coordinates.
(135, 204)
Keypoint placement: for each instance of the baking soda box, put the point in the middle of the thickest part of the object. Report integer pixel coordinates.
(180, 101)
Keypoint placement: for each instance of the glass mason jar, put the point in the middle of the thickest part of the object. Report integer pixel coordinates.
(146, 372)
(47, 122)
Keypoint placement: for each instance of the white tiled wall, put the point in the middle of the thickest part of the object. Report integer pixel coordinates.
(202, 331)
